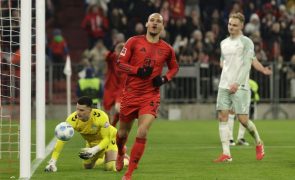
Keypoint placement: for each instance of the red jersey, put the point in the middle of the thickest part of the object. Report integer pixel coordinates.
(138, 52)
(112, 78)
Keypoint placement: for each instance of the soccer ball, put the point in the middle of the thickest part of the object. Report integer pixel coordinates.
(64, 131)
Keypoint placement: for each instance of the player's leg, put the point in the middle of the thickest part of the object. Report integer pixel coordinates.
(108, 101)
(100, 161)
(116, 114)
(241, 133)
(111, 152)
(90, 163)
(126, 123)
(110, 160)
(241, 136)
(231, 119)
(241, 103)
(144, 123)
(223, 106)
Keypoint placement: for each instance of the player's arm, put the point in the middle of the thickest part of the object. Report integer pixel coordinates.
(172, 66)
(172, 71)
(124, 57)
(123, 62)
(51, 167)
(259, 67)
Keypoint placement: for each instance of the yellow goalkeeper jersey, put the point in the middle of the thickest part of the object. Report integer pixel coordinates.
(96, 131)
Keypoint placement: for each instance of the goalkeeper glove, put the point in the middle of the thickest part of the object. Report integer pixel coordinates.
(51, 167)
(143, 72)
(87, 153)
(159, 81)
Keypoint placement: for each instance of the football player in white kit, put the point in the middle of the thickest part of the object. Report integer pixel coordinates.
(237, 54)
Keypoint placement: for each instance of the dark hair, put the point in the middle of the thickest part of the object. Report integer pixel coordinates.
(84, 100)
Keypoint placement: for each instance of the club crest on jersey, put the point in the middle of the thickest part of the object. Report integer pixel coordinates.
(123, 51)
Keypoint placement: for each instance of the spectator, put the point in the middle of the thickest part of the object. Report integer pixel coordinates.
(165, 12)
(177, 8)
(58, 48)
(253, 25)
(139, 29)
(57, 52)
(96, 25)
(90, 86)
(96, 58)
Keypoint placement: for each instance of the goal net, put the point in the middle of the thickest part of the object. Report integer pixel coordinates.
(10, 84)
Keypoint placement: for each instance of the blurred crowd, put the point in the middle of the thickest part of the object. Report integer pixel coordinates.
(194, 28)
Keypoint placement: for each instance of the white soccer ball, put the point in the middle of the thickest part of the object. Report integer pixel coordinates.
(64, 131)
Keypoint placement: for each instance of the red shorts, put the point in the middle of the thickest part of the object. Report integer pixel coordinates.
(119, 96)
(109, 98)
(133, 106)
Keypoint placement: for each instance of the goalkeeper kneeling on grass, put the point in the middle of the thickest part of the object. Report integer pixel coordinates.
(100, 136)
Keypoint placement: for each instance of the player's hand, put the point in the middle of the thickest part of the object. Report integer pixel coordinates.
(143, 72)
(159, 81)
(233, 88)
(51, 167)
(267, 71)
(87, 153)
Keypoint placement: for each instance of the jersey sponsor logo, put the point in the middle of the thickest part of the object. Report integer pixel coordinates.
(123, 51)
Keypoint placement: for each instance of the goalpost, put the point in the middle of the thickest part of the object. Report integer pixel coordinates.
(16, 90)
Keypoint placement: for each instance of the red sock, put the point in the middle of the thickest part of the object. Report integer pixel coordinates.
(121, 143)
(115, 119)
(136, 153)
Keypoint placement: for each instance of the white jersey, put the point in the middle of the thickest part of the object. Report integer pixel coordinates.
(237, 55)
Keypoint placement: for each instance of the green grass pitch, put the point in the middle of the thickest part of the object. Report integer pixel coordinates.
(185, 150)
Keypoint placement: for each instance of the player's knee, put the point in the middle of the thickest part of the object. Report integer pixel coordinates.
(123, 133)
(142, 132)
(110, 166)
(222, 116)
(88, 166)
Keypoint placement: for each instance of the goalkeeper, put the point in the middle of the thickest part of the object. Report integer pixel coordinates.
(100, 137)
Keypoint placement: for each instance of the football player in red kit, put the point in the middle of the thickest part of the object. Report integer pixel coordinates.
(114, 83)
(142, 59)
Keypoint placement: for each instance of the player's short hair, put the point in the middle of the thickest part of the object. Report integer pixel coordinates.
(156, 14)
(238, 16)
(84, 100)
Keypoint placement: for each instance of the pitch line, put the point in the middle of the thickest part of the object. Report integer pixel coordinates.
(218, 147)
(48, 150)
